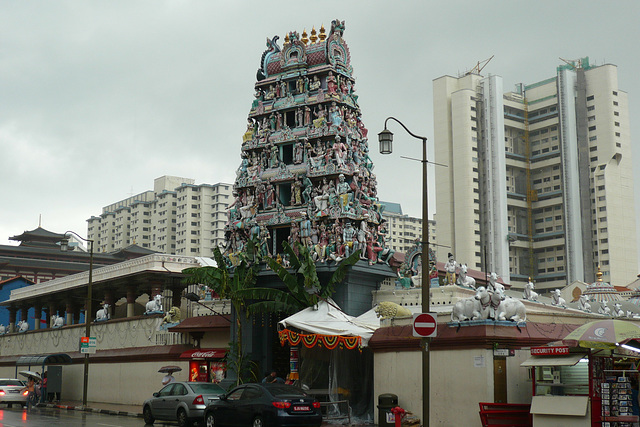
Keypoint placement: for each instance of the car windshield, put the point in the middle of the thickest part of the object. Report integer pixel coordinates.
(11, 382)
(207, 388)
(284, 390)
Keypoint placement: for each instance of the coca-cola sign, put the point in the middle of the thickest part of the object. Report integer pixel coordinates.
(208, 353)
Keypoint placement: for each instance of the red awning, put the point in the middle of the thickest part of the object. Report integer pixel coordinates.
(204, 353)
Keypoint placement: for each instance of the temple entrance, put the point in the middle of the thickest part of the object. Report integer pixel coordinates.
(280, 234)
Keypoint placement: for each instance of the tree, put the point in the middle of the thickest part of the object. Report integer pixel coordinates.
(228, 285)
(304, 288)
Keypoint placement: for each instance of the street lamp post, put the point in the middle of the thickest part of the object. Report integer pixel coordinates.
(64, 245)
(386, 147)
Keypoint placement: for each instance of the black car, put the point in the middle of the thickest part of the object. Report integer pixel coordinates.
(262, 405)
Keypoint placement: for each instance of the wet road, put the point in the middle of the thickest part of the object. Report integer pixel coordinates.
(52, 417)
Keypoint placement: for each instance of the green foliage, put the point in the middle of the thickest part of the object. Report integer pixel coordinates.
(240, 363)
(304, 288)
(221, 280)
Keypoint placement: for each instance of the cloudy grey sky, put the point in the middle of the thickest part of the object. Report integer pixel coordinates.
(99, 98)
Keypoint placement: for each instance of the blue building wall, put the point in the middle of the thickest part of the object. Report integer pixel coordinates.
(5, 292)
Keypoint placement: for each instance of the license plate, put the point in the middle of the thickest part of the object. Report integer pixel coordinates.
(301, 408)
(14, 391)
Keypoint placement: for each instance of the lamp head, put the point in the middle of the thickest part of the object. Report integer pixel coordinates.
(192, 296)
(386, 141)
(64, 244)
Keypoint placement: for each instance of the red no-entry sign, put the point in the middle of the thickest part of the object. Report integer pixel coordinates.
(424, 325)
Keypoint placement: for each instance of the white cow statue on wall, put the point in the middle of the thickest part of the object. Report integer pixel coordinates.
(155, 305)
(57, 321)
(511, 309)
(557, 300)
(22, 326)
(466, 309)
(3, 329)
(103, 314)
(529, 293)
(583, 303)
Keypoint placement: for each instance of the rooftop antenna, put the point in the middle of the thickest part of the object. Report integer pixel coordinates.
(479, 66)
(39, 220)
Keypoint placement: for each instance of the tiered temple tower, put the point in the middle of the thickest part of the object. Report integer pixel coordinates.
(306, 175)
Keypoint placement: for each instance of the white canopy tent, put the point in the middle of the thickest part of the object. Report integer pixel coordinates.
(326, 318)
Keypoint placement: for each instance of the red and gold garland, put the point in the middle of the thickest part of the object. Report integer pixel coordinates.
(311, 340)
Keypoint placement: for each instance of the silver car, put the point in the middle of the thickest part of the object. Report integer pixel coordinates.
(184, 402)
(11, 391)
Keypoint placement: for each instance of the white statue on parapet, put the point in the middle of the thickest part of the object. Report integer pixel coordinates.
(103, 314)
(490, 300)
(511, 309)
(529, 293)
(583, 303)
(467, 309)
(604, 309)
(617, 310)
(155, 305)
(557, 300)
(3, 329)
(463, 279)
(57, 321)
(22, 326)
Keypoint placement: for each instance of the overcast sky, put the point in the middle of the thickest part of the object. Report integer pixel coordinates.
(99, 98)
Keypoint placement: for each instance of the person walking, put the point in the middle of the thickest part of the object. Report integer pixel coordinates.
(43, 389)
(168, 379)
(31, 389)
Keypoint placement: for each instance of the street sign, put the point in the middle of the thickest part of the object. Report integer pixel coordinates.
(87, 345)
(424, 325)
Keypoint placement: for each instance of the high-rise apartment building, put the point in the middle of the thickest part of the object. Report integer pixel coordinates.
(177, 217)
(539, 182)
(404, 230)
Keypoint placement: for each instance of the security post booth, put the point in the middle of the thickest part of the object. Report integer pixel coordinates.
(560, 378)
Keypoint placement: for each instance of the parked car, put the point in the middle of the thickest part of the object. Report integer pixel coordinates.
(260, 405)
(11, 392)
(183, 402)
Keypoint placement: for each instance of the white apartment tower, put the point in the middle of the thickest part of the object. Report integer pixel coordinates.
(403, 230)
(177, 217)
(539, 182)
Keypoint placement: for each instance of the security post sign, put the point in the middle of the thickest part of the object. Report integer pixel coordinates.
(87, 345)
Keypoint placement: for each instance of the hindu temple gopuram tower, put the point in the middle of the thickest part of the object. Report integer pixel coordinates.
(306, 175)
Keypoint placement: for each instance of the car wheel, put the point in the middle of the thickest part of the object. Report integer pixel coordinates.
(258, 422)
(146, 414)
(183, 421)
(210, 420)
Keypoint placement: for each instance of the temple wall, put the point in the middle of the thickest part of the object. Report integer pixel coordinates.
(460, 379)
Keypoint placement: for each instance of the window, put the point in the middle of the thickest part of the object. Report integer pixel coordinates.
(592, 128)
(615, 113)
(615, 103)
(591, 108)
(616, 124)
(590, 98)
(615, 93)
(618, 134)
